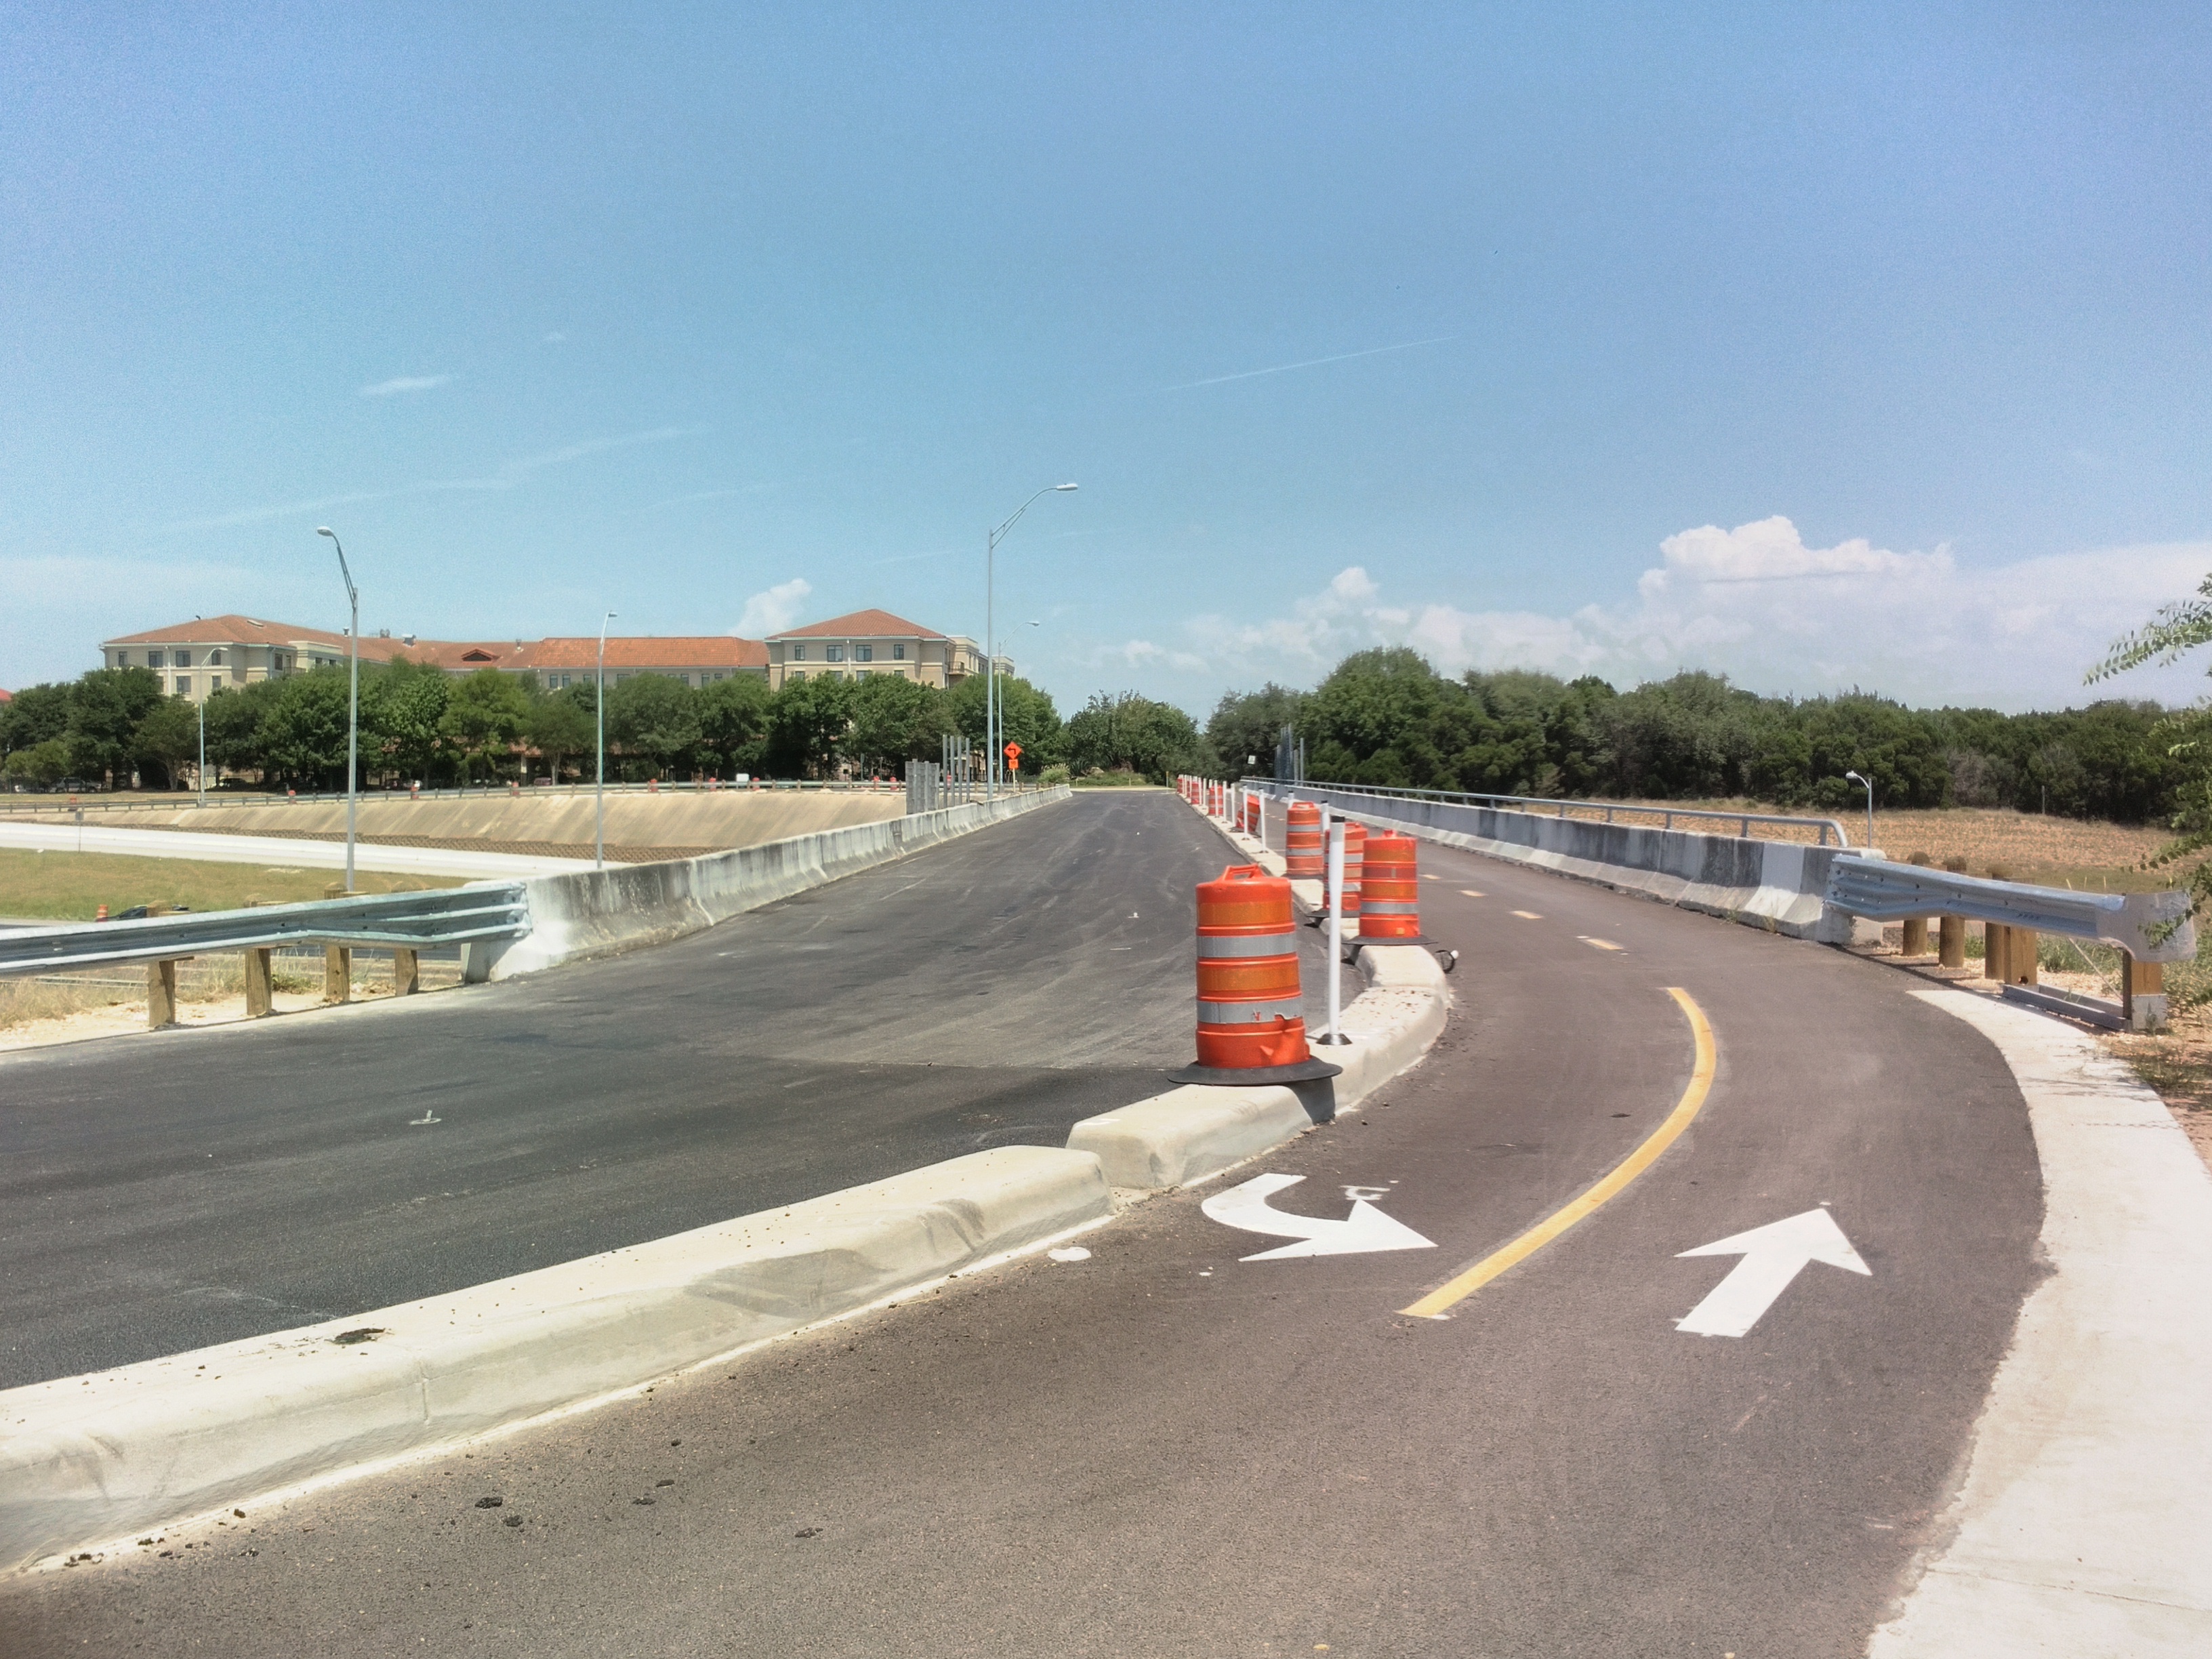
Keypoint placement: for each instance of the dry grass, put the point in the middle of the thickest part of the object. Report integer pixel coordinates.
(210, 990)
(72, 886)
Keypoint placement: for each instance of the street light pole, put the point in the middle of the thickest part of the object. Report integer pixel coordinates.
(991, 718)
(353, 698)
(1869, 784)
(200, 776)
(599, 713)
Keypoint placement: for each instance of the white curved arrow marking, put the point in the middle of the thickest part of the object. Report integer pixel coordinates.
(1367, 1228)
(1772, 1256)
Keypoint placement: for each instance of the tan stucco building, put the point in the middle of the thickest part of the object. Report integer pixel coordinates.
(194, 658)
(874, 642)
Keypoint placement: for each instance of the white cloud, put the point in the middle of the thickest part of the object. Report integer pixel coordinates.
(773, 611)
(399, 383)
(1757, 605)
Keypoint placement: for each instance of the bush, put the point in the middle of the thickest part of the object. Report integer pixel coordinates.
(1052, 777)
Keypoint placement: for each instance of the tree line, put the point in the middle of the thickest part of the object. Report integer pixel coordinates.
(1387, 717)
(419, 723)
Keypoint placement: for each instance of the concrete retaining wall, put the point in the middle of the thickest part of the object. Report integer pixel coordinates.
(622, 907)
(1776, 885)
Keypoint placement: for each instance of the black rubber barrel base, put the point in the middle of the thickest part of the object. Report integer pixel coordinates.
(1307, 1071)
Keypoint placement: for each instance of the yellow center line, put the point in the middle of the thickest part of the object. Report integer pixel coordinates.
(1438, 1302)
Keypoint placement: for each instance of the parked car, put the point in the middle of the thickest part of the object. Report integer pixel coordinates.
(77, 787)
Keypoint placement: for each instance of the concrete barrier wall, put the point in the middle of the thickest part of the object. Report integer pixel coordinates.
(623, 907)
(687, 818)
(1776, 885)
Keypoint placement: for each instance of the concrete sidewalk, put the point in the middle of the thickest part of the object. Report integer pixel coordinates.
(2081, 1528)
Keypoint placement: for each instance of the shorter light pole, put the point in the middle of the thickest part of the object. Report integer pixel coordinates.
(353, 696)
(599, 713)
(1869, 785)
(200, 776)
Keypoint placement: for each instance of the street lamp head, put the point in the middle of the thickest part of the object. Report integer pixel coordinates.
(324, 530)
(1854, 777)
(1063, 486)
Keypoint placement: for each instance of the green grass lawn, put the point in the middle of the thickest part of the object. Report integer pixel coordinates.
(72, 886)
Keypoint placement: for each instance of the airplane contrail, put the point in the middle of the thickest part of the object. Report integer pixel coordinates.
(1311, 362)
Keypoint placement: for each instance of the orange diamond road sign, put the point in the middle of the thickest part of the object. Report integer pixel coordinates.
(1013, 751)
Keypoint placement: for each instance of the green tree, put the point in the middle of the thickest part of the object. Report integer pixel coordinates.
(734, 723)
(557, 727)
(895, 720)
(166, 743)
(1246, 725)
(105, 708)
(1132, 732)
(235, 718)
(1026, 716)
(655, 718)
(807, 722)
(403, 708)
(38, 765)
(483, 718)
(302, 731)
(37, 714)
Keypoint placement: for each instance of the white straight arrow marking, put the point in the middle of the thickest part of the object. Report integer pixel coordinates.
(1246, 1207)
(1772, 1256)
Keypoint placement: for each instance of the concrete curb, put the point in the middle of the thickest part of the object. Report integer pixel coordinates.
(1194, 1132)
(87, 1460)
(602, 912)
(2073, 1532)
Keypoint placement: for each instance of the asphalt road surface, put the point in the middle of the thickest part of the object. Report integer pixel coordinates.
(1165, 1449)
(168, 1191)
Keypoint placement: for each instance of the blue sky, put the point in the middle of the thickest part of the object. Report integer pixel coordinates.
(1821, 346)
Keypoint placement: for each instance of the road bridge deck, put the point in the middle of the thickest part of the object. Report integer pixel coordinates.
(165, 1192)
(1168, 1448)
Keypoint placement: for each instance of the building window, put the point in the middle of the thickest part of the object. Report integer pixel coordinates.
(864, 654)
(797, 654)
(834, 654)
(214, 659)
(153, 659)
(898, 654)
(184, 686)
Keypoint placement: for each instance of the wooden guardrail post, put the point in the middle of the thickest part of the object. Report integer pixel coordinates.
(2020, 956)
(1951, 931)
(1995, 936)
(160, 994)
(259, 986)
(2142, 993)
(406, 973)
(338, 960)
(1915, 942)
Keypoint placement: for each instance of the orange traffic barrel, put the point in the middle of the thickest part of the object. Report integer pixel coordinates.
(1252, 818)
(1389, 891)
(1251, 1013)
(1307, 860)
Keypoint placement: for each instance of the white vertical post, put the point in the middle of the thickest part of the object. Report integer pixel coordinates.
(1335, 925)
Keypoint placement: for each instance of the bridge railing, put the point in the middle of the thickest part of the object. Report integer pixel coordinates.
(1607, 811)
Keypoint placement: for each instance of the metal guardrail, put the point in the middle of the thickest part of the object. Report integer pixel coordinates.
(1823, 828)
(2148, 926)
(404, 920)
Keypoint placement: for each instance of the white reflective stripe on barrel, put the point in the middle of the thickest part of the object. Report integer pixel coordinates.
(1249, 1013)
(1216, 946)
